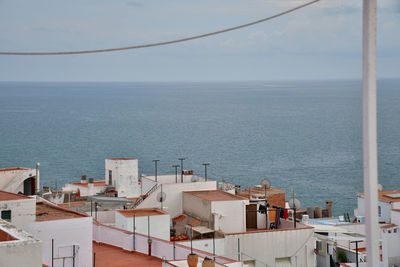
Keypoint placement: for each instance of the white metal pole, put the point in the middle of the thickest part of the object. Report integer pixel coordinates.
(370, 156)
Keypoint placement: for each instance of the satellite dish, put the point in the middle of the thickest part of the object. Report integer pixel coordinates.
(161, 196)
(266, 184)
(195, 179)
(294, 203)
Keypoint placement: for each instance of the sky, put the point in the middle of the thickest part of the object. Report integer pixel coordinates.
(321, 41)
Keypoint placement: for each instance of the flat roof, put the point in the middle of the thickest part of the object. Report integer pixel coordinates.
(107, 255)
(388, 195)
(95, 183)
(120, 159)
(6, 196)
(215, 195)
(47, 212)
(142, 212)
(13, 169)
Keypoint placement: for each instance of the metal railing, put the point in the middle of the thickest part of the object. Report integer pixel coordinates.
(140, 200)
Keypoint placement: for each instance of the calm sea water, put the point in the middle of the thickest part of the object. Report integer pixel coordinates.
(305, 135)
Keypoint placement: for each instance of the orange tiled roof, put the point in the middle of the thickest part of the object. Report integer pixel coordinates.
(107, 255)
(194, 222)
(215, 195)
(47, 212)
(398, 210)
(4, 236)
(13, 169)
(142, 212)
(5, 196)
(386, 226)
(382, 195)
(179, 218)
(95, 183)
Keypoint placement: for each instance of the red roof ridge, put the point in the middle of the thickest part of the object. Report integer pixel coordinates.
(13, 169)
(6, 196)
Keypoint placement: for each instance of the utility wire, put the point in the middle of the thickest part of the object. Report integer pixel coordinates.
(156, 44)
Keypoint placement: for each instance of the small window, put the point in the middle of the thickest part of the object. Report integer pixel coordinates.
(6, 215)
(389, 231)
(379, 211)
(395, 230)
(110, 177)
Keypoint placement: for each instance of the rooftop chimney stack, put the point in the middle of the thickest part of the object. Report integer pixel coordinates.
(83, 179)
(329, 207)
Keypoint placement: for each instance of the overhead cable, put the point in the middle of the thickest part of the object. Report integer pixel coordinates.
(158, 43)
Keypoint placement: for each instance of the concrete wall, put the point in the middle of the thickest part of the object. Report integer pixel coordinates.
(21, 255)
(89, 190)
(105, 217)
(159, 225)
(124, 176)
(13, 180)
(391, 246)
(231, 215)
(198, 208)
(266, 246)
(160, 248)
(23, 211)
(146, 185)
(395, 217)
(65, 233)
(207, 245)
(174, 192)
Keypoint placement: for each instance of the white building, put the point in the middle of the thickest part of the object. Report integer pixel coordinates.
(68, 233)
(387, 200)
(122, 173)
(87, 187)
(20, 180)
(173, 188)
(18, 248)
(17, 209)
(158, 220)
(216, 209)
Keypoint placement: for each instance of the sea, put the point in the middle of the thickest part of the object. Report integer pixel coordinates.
(305, 135)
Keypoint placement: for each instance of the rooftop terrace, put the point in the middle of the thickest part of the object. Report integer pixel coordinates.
(6, 196)
(47, 212)
(141, 212)
(215, 195)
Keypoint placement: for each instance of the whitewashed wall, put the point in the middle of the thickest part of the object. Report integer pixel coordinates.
(68, 232)
(174, 192)
(231, 215)
(298, 245)
(160, 248)
(23, 211)
(391, 247)
(159, 225)
(207, 245)
(395, 217)
(124, 176)
(13, 181)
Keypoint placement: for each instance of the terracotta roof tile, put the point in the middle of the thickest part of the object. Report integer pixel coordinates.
(142, 212)
(194, 222)
(386, 226)
(107, 255)
(179, 218)
(47, 212)
(13, 169)
(5, 196)
(95, 183)
(215, 195)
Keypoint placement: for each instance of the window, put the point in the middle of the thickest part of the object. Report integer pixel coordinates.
(379, 211)
(6, 215)
(110, 177)
(395, 230)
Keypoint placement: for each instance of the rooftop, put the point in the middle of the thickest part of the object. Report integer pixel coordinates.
(387, 226)
(142, 212)
(13, 169)
(120, 159)
(11, 233)
(388, 195)
(215, 195)
(107, 255)
(6, 196)
(95, 183)
(47, 212)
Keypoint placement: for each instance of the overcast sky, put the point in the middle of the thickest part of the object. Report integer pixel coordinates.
(322, 41)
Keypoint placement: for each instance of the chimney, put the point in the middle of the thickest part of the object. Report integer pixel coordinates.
(329, 207)
(207, 262)
(90, 184)
(83, 179)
